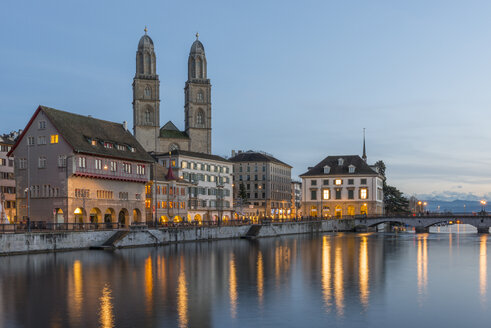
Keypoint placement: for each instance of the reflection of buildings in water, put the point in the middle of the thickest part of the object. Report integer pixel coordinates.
(232, 281)
(326, 272)
(182, 295)
(422, 264)
(106, 317)
(149, 283)
(260, 278)
(282, 260)
(364, 272)
(483, 259)
(338, 280)
(75, 294)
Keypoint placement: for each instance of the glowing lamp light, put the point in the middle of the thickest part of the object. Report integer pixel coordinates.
(78, 211)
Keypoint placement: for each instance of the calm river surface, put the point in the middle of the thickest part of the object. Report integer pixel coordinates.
(335, 280)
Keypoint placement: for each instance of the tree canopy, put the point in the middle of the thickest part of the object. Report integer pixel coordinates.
(394, 200)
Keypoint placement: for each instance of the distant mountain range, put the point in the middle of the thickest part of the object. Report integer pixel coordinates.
(455, 206)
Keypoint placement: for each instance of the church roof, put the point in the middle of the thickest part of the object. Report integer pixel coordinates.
(337, 167)
(169, 130)
(252, 156)
(79, 131)
(197, 48)
(145, 42)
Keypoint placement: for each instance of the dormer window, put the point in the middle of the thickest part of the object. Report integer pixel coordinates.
(351, 169)
(340, 161)
(121, 147)
(108, 145)
(327, 169)
(93, 142)
(133, 149)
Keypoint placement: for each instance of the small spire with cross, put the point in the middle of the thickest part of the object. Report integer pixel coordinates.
(145, 29)
(197, 35)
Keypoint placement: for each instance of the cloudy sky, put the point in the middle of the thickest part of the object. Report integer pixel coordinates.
(298, 79)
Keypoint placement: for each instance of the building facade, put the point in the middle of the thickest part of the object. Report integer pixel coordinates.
(167, 196)
(266, 182)
(71, 169)
(146, 103)
(296, 199)
(210, 176)
(342, 186)
(7, 180)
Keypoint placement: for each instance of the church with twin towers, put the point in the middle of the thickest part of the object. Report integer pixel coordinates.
(196, 136)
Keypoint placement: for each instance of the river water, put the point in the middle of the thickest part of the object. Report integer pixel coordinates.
(335, 280)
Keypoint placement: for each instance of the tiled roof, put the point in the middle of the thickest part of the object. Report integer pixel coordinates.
(169, 130)
(251, 156)
(79, 130)
(361, 167)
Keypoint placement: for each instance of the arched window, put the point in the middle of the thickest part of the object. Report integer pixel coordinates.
(147, 117)
(148, 92)
(198, 68)
(148, 64)
(199, 96)
(200, 119)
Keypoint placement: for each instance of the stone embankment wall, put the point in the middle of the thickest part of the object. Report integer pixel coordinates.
(59, 241)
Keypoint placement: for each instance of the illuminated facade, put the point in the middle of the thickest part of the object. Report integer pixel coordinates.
(7, 180)
(267, 184)
(76, 169)
(342, 186)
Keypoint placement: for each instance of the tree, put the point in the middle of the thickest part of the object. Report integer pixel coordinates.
(242, 193)
(394, 200)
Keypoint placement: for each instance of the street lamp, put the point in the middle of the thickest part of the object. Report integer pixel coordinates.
(420, 207)
(483, 204)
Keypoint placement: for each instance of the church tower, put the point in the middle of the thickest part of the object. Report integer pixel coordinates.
(197, 104)
(146, 102)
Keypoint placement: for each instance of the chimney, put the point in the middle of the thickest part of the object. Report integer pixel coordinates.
(125, 125)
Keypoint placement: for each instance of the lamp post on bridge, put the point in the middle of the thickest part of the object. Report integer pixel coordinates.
(483, 204)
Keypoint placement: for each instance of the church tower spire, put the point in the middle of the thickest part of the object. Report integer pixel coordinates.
(197, 105)
(146, 93)
(364, 148)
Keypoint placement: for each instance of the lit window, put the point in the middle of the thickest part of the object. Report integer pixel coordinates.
(325, 194)
(98, 164)
(140, 169)
(338, 182)
(363, 193)
(81, 162)
(114, 166)
(54, 138)
(93, 142)
(184, 164)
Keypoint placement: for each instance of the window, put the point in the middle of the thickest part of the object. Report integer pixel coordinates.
(199, 96)
(22, 163)
(62, 161)
(313, 194)
(325, 194)
(351, 181)
(148, 92)
(30, 141)
(54, 139)
(363, 193)
(351, 169)
(108, 145)
(351, 194)
(338, 182)
(327, 169)
(363, 181)
(93, 142)
(98, 164)
(42, 162)
(338, 193)
(147, 117)
(127, 168)
(184, 164)
(42, 140)
(340, 161)
(140, 169)
(200, 120)
(123, 195)
(82, 193)
(313, 182)
(325, 182)
(82, 162)
(42, 125)
(121, 147)
(114, 166)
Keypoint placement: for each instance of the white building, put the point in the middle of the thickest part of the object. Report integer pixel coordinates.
(341, 186)
(210, 196)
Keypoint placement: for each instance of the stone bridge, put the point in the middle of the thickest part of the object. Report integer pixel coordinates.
(423, 223)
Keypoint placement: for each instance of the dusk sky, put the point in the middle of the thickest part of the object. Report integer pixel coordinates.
(297, 79)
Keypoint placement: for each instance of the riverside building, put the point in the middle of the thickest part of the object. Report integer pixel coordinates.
(210, 178)
(267, 184)
(7, 180)
(342, 186)
(71, 168)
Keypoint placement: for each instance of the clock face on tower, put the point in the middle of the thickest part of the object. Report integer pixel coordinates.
(173, 147)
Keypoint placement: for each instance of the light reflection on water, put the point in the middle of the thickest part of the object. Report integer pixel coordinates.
(344, 280)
